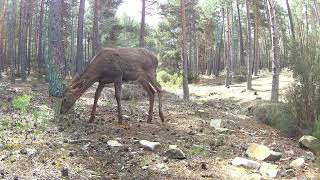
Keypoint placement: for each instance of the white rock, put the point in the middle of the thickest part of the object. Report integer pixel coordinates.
(269, 170)
(148, 145)
(114, 143)
(222, 130)
(238, 161)
(297, 163)
(262, 153)
(215, 123)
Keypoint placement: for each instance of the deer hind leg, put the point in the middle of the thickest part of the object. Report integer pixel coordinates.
(158, 88)
(151, 93)
(96, 97)
(117, 87)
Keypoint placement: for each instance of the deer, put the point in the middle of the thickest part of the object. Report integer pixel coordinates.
(116, 65)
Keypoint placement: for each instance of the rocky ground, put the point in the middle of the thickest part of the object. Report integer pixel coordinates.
(209, 134)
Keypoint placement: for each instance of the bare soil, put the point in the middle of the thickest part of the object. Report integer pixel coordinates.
(73, 146)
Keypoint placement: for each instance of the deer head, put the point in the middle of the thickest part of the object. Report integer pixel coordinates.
(71, 93)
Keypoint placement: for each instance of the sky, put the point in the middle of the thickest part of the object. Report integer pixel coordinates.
(133, 9)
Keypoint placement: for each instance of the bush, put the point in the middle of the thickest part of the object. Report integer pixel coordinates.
(169, 79)
(21, 102)
(278, 115)
(316, 130)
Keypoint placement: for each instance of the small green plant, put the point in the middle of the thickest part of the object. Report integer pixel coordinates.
(22, 102)
(41, 117)
(316, 130)
(199, 150)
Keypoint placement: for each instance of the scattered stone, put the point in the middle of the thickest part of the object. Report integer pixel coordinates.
(263, 153)
(310, 156)
(174, 153)
(28, 151)
(72, 153)
(238, 161)
(144, 167)
(162, 167)
(269, 170)
(114, 143)
(201, 113)
(222, 130)
(204, 166)
(150, 146)
(297, 163)
(215, 123)
(65, 172)
(310, 142)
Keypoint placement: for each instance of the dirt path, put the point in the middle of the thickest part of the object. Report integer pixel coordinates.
(207, 90)
(71, 145)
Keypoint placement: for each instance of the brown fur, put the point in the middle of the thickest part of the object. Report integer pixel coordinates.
(115, 65)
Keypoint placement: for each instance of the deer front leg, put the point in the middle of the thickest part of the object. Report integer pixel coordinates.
(96, 97)
(151, 93)
(117, 87)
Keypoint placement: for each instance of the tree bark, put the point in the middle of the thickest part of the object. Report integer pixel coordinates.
(228, 48)
(80, 58)
(184, 49)
(275, 48)
(291, 21)
(142, 24)
(96, 42)
(11, 29)
(56, 53)
(256, 38)
(249, 80)
(40, 58)
(240, 36)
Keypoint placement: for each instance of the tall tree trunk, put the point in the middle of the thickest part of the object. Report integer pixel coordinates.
(275, 53)
(30, 16)
(11, 29)
(228, 48)
(142, 24)
(56, 52)
(249, 80)
(2, 49)
(80, 58)
(96, 42)
(240, 36)
(40, 58)
(291, 21)
(184, 49)
(316, 10)
(218, 58)
(256, 38)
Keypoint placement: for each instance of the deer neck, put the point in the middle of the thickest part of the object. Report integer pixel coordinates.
(89, 79)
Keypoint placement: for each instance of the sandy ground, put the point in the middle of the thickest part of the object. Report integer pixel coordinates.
(71, 143)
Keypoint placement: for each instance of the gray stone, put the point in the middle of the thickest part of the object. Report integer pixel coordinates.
(238, 161)
(161, 167)
(114, 143)
(175, 153)
(297, 163)
(262, 153)
(28, 151)
(310, 142)
(215, 123)
(222, 130)
(150, 146)
(201, 113)
(269, 170)
(310, 156)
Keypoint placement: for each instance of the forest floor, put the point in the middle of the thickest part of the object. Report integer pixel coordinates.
(34, 145)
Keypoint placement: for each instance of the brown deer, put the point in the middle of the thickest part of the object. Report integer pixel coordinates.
(115, 65)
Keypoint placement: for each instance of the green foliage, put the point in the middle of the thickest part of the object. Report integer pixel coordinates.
(198, 150)
(277, 115)
(169, 80)
(316, 130)
(22, 102)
